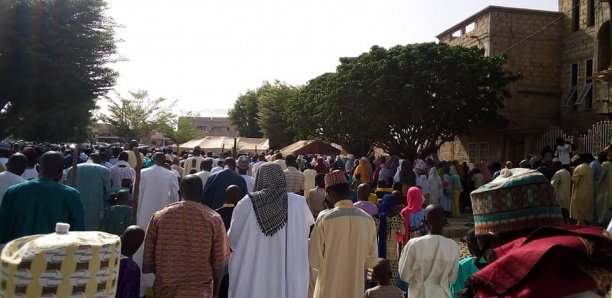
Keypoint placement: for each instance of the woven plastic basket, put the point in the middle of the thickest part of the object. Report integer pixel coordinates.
(61, 264)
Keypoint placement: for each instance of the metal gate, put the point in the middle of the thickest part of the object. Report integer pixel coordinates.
(550, 136)
(594, 141)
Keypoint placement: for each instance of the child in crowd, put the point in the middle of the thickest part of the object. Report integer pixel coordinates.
(363, 203)
(468, 266)
(117, 217)
(400, 199)
(430, 263)
(396, 187)
(128, 284)
(390, 226)
(382, 275)
(125, 184)
(233, 194)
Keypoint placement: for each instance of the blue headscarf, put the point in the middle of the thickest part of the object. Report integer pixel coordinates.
(386, 208)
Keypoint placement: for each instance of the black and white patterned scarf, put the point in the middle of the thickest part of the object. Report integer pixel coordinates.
(270, 198)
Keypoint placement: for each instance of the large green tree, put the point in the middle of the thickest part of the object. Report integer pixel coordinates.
(408, 100)
(54, 57)
(325, 110)
(272, 115)
(138, 116)
(263, 112)
(244, 115)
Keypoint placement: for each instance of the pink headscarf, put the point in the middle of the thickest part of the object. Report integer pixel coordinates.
(415, 204)
(414, 200)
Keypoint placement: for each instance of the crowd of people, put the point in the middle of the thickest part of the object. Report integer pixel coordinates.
(274, 225)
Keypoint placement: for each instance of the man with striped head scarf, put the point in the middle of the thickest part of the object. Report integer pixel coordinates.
(269, 239)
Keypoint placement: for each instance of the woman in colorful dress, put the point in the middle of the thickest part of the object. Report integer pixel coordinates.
(413, 214)
(457, 189)
(390, 226)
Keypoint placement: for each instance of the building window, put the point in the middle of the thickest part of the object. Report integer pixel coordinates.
(478, 152)
(472, 152)
(586, 96)
(575, 15)
(483, 152)
(588, 85)
(572, 95)
(603, 47)
(590, 13)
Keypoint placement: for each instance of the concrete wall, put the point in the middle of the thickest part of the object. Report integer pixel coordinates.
(534, 99)
(215, 126)
(577, 47)
(534, 102)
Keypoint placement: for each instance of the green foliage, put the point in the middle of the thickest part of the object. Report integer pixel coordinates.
(263, 112)
(138, 116)
(272, 116)
(407, 100)
(54, 59)
(244, 115)
(181, 129)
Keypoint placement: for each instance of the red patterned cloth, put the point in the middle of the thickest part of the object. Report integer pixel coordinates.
(185, 243)
(550, 262)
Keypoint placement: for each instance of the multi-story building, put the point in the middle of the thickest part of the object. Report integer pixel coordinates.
(215, 126)
(559, 54)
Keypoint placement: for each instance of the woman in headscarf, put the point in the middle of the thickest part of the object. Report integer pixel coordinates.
(350, 163)
(484, 169)
(338, 164)
(405, 175)
(413, 214)
(457, 189)
(396, 177)
(385, 172)
(269, 233)
(362, 169)
(435, 186)
(458, 168)
(447, 190)
(394, 166)
(420, 169)
(380, 163)
(390, 225)
(320, 167)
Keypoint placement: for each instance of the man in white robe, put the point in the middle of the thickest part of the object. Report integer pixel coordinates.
(193, 163)
(15, 167)
(158, 189)
(269, 239)
(430, 263)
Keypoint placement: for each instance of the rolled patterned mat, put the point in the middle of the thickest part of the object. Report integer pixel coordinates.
(518, 199)
(61, 264)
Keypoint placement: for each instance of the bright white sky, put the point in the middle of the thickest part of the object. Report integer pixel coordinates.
(206, 53)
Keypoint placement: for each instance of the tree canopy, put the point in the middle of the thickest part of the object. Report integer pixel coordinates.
(408, 100)
(54, 58)
(244, 115)
(138, 116)
(263, 112)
